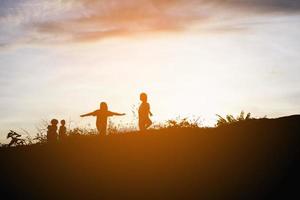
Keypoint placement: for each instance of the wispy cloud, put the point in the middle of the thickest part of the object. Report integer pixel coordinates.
(35, 21)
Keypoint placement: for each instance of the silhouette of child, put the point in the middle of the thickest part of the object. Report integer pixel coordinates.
(144, 112)
(102, 115)
(62, 130)
(52, 131)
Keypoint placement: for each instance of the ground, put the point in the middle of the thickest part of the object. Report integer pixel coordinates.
(254, 159)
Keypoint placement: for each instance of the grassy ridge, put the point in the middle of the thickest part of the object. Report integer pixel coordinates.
(253, 159)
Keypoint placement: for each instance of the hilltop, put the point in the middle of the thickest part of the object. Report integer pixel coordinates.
(253, 159)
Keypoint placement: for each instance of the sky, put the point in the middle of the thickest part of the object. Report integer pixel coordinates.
(194, 58)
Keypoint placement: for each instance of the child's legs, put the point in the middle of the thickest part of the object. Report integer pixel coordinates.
(148, 123)
(101, 129)
(142, 125)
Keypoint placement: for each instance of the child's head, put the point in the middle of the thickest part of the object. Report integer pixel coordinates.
(54, 122)
(103, 106)
(63, 122)
(143, 97)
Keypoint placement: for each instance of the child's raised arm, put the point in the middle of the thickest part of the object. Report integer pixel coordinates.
(88, 114)
(116, 114)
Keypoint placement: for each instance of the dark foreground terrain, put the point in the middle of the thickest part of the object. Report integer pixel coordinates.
(255, 159)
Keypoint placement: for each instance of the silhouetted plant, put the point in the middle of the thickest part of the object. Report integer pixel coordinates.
(77, 131)
(81, 131)
(28, 139)
(40, 138)
(182, 123)
(15, 139)
(134, 113)
(229, 119)
(112, 128)
(41, 135)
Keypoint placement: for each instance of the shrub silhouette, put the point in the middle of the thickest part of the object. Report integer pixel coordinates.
(40, 138)
(15, 140)
(229, 119)
(182, 123)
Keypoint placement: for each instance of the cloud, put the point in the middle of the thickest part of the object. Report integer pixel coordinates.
(265, 6)
(55, 21)
(116, 18)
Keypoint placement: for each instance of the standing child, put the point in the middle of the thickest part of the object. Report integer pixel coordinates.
(144, 113)
(52, 131)
(62, 130)
(102, 114)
